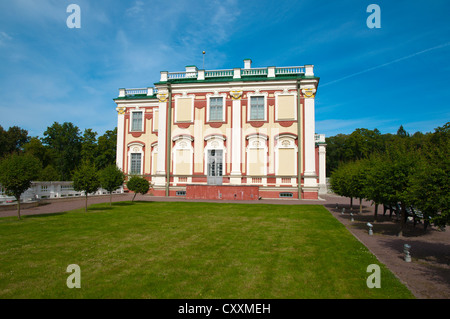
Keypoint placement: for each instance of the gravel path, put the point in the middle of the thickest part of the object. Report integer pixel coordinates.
(427, 276)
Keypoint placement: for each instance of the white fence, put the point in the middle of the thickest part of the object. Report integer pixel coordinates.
(49, 190)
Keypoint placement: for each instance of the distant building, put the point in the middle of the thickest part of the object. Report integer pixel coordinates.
(235, 127)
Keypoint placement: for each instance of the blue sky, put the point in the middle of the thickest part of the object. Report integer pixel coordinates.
(369, 78)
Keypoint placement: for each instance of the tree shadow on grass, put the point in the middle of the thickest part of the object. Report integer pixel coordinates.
(43, 215)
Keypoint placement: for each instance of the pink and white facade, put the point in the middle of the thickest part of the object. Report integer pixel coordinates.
(235, 128)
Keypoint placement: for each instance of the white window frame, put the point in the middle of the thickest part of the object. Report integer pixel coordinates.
(215, 142)
(209, 96)
(249, 105)
(133, 149)
(257, 141)
(142, 122)
(290, 138)
(182, 142)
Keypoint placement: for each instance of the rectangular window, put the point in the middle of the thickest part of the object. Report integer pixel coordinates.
(257, 108)
(136, 121)
(135, 167)
(216, 109)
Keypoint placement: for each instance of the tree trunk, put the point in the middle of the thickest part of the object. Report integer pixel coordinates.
(360, 205)
(351, 204)
(133, 197)
(18, 207)
(402, 219)
(85, 205)
(110, 198)
(376, 212)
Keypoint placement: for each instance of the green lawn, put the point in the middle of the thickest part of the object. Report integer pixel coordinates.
(188, 250)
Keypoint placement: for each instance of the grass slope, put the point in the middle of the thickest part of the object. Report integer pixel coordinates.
(188, 250)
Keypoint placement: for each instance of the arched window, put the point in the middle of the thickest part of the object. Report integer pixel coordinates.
(183, 163)
(136, 158)
(257, 159)
(286, 159)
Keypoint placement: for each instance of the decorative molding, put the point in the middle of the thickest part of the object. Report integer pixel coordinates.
(309, 93)
(162, 97)
(121, 110)
(236, 94)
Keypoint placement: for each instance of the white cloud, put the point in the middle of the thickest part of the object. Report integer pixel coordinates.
(4, 38)
(137, 8)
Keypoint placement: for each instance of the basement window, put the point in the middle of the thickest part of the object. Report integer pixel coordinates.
(284, 195)
(181, 193)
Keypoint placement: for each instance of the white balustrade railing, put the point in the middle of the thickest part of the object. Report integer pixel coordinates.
(178, 75)
(49, 190)
(255, 71)
(135, 91)
(218, 73)
(194, 74)
(290, 70)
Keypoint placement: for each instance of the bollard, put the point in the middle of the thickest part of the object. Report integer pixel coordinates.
(351, 214)
(370, 228)
(406, 249)
(343, 211)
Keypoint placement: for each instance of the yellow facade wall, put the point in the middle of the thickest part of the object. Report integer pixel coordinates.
(286, 107)
(286, 161)
(183, 109)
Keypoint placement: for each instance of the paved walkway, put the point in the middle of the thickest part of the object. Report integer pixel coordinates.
(427, 276)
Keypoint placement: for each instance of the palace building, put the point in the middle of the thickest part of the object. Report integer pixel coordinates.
(242, 133)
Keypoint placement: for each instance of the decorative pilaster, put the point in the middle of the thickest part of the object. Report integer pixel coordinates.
(120, 134)
(236, 138)
(160, 179)
(310, 176)
(322, 169)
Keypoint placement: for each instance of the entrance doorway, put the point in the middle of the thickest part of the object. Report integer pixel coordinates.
(215, 167)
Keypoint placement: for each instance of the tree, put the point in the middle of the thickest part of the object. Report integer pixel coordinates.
(37, 149)
(378, 187)
(401, 132)
(139, 185)
(49, 174)
(89, 145)
(85, 179)
(106, 149)
(12, 140)
(65, 140)
(16, 174)
(340, 183)
(111, 178)
(429, 187)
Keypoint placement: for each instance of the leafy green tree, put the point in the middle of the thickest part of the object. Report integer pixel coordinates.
(106, 149)
(37, 149)
(85, 179)
(49, 174)
(429, 188)
(341, 184)
(16, 174)
(139, 185)
(12, 140)
(111, 178)
(378, 187)
(89, 145)
(401, 132)
(65, 140)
